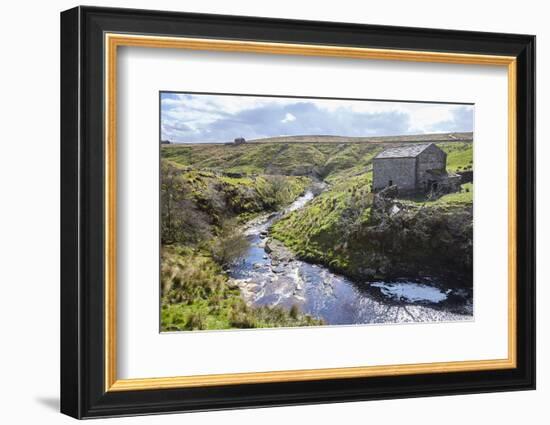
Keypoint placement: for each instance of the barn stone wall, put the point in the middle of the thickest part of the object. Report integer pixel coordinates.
(400, 171)
(431, 158)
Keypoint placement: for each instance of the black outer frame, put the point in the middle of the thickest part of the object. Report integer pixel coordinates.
(82, 212)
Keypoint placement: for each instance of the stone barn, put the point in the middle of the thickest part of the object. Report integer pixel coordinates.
(414, 168)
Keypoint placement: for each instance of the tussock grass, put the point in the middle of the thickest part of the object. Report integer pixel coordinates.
(197, 295)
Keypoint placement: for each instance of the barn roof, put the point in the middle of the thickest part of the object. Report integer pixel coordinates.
(408, 151)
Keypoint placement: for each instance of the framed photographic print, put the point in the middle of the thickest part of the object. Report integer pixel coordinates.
(261, 212)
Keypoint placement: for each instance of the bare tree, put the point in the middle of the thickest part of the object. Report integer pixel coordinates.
(181, 220)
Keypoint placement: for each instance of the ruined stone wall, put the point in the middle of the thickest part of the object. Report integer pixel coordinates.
(400, 171)
(432, 158)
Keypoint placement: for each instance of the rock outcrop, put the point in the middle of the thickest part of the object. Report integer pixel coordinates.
(414, 241)
(278, 251)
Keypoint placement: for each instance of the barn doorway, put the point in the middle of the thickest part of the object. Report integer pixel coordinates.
(432, 186)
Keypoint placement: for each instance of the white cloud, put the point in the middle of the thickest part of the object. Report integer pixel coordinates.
(423, 117)
(288, 118)
(188, 117)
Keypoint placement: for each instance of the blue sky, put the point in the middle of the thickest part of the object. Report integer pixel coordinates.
(192, 118)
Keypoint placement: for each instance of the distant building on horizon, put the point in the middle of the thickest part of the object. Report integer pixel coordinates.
(239, 141)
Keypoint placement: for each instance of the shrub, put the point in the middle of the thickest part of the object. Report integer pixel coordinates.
(230, 245)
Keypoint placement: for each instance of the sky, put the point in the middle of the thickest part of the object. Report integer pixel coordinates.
(195, 118)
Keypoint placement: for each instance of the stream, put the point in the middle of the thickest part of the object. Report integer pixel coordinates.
(337, 300)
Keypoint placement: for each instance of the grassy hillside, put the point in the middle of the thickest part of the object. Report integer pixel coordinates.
(221, 196)
(208, 191)
(320, 139)
(350, 234)
(324, 161)
(459, 156)
(319, 231)
(329, 161)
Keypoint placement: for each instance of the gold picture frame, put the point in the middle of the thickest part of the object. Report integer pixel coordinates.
(114, 41)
